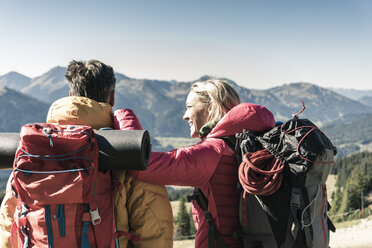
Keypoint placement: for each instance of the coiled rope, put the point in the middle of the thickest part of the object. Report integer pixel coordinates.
(260, 173)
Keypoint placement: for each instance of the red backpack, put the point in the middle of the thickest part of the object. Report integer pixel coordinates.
(63, 200)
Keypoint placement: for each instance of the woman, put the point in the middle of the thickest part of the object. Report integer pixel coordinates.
(212, 111)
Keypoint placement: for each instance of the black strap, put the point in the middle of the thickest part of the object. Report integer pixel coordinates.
(308, 230)
(331, 226)
(294, 206)
(242, 143)
(230, 141)
(213, 233)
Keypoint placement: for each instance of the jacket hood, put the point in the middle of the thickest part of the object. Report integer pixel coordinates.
(246, 116)
(76, 110)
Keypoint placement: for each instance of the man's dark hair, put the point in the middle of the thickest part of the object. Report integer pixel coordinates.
(92, 79)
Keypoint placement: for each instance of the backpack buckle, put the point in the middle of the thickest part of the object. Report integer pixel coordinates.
(295, 198)
(96, 218)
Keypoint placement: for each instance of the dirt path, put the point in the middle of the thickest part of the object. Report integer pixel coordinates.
(358, 236)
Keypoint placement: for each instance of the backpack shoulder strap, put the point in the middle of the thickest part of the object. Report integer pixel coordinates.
(230, 141)
(234, 144)
(213, 233)
(242, 143)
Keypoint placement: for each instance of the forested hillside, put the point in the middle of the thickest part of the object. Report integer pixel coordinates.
(354, 183)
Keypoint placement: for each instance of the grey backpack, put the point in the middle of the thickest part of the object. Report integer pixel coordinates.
(295, 214)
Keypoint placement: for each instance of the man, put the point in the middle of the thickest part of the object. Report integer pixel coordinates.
(142, 210)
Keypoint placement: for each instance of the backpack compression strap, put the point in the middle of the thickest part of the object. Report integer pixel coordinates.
(213, 233)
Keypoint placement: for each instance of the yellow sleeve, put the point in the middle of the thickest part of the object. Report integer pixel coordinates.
(7, 210)
(120, 205)
(150, 214)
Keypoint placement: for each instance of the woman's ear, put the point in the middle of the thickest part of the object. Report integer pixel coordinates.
(112, 98)
(207, 113)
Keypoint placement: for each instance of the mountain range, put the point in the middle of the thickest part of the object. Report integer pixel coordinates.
(160, 104)
(353, 93)
(18, 109)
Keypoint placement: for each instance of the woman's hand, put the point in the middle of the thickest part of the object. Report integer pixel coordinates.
(125, 119)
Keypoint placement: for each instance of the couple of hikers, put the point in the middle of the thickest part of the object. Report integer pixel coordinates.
(142, 209)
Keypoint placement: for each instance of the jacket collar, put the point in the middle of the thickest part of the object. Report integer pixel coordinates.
(247, 116)
(73, 110)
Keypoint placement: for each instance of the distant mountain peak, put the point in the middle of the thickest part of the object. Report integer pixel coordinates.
(57, 69)
(14, 74)
(204, 78)
(15, 80)
(209, 77)
(352, 93)
(49, 86)
(298, 88)
(120, 76)
(18, 109)
(301, 85)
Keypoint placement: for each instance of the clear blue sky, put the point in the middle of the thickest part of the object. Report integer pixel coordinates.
(258, 44)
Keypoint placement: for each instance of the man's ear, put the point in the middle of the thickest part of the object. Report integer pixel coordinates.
(112, 98)
(69, 93)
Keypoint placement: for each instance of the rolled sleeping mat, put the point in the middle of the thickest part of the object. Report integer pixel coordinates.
(8, 147)
(118, 149)
(124, 149)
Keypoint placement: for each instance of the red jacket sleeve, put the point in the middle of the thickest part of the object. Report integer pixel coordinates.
(125, 119)
(188, 166)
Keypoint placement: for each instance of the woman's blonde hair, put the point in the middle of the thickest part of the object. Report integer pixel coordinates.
(218, 96)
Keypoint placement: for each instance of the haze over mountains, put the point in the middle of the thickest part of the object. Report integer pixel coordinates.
(18, 109)
(160, 104)
(353, 93)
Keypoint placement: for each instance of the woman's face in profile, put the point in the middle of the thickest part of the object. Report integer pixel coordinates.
(196, 114)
